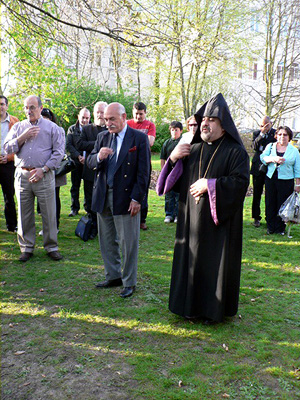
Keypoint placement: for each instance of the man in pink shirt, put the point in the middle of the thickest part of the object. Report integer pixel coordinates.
(140, 122)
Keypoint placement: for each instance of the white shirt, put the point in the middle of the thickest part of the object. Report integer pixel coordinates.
(4, 132)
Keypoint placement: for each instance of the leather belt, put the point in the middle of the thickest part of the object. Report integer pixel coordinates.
(27, 169)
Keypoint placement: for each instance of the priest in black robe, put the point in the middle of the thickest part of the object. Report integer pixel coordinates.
(214, 178)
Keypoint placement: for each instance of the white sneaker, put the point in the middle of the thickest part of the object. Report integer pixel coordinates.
(168, 219)
(175, 220)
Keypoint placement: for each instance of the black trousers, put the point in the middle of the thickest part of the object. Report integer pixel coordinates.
(144, 205)
(76, 177)
(258, 187)
(7, 172)
(277, 191)
(88, 194)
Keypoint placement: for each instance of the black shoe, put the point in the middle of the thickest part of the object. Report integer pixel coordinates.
(12, 229)
(269, 232)
(93, 234)
(25, 256)
(55, 255)
(209, 322)
(127, 291)
(108, 284)
(256, 223)
(73, 213)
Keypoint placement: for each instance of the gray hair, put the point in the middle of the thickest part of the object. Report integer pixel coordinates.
(83, 110)
(100, 103)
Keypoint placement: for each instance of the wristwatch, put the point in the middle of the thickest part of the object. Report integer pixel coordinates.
(44, 170)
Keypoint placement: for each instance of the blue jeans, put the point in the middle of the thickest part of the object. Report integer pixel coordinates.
(171, 204)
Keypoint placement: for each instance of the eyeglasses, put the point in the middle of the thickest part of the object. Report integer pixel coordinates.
(193, 124)
(30, 108)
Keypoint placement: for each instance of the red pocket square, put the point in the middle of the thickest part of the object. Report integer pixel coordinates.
(132, 149)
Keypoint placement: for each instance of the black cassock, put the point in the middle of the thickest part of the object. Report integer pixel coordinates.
(207, 257)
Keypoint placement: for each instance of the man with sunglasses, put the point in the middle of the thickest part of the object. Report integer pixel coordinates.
(39, 147)
(261, 138)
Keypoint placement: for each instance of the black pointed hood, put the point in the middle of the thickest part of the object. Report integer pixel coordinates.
(218, 108)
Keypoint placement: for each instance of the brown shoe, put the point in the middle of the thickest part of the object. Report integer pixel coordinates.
(55, 255)
(25, 256)
(143, 226)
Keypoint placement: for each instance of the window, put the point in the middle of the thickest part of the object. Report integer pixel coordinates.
(253, 70)
(294, 72)
(279, 72)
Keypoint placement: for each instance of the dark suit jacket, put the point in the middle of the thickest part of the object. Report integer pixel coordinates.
(258, 145)
(72, 139)
(132, 171)
(86, 143)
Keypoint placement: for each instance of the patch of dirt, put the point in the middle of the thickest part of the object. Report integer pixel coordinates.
(71, 365)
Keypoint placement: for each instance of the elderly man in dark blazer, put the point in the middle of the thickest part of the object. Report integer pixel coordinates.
(121, 157)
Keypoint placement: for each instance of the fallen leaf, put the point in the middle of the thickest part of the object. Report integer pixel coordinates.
(180, 383)
(41, 290)
(3, 283)
(253, 300)
(27, 384)
(225, 395)
(225, 347)
(19, 353)
(240, 317)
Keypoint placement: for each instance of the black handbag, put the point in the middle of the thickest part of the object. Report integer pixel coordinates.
(263, 168)
(83, 228)
(67, 165)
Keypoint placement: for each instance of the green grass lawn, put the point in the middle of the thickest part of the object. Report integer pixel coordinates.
(64, 339)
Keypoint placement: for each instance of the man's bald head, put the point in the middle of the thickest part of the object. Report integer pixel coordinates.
(33, 108)
(115, 117)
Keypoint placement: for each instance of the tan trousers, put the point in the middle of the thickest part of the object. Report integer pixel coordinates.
(26, 192)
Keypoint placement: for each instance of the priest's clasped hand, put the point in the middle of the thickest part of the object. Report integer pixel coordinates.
(198, 188)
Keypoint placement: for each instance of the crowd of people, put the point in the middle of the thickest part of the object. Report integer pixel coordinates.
(204, 177)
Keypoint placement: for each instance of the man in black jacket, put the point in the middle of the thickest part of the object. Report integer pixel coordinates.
(86, 143)
(72, 139)
(261, 138)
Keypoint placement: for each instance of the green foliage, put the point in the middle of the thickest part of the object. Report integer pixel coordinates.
(86, 93)
(162, 134)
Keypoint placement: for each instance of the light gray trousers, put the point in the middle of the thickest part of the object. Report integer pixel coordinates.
(119, 232)
(26, 192)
